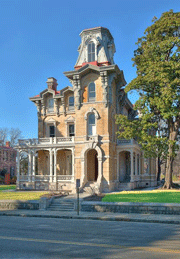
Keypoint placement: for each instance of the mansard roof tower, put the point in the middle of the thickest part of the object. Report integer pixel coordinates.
(97, 47)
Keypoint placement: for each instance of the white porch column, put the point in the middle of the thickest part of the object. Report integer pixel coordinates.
(18, 169)
(55, 164)
(139, 173)
(136, 173)
(33, 166)
(73, 162)
(29, 165)
(132, 168)
(51, 165)
(118, 166)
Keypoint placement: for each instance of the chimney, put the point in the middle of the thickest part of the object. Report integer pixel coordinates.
(7, 143)
(52, 83)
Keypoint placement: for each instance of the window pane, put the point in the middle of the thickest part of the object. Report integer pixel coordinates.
(91, 119)
(89, 57)
(93, 47)
(93, 56)
(90, 130)
(71, 130)
(89, 47)
(51, 131)
(91, 87)
(91, 52)
(71, 101)
(92, 95)
(51, 103)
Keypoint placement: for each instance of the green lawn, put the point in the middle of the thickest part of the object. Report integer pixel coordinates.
(159, 196)
(19, 195)
(7, 187)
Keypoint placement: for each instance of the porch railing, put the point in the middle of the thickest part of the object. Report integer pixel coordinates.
(41, 141)
(64, 177)
(126, 142)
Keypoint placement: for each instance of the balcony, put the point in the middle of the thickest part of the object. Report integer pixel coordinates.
(45, 141)
(121, 142)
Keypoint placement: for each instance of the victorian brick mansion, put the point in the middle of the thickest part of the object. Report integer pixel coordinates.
(77, 130)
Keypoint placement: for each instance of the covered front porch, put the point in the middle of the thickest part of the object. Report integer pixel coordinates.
(49, 167)
(129, 164)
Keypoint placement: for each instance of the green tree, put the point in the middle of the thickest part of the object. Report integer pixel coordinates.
(157, 60)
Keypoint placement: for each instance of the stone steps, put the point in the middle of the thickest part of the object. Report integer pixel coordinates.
(61, 205)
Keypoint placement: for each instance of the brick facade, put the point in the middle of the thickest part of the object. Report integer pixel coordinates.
(77, 140)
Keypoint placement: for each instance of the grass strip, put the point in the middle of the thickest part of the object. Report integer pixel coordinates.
(20, 195)
(7, 187)
(170, 196)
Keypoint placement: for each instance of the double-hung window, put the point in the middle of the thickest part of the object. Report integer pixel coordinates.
(92, 92)
(51, 131)
(51, 105)
(71, 103)
(71, 130)
(91, 52)
(91, 125)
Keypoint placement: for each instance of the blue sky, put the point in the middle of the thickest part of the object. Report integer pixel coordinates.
(39, 39)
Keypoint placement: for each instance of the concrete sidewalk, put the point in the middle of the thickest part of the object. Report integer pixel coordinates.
(150, 218)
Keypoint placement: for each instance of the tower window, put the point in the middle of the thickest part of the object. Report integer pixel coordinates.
(51, 105)
(71, 103)
(91, 52)
(92, 92)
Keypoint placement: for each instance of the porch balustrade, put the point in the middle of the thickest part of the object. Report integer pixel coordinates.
(65, 177)
(126, 142)
(46, 141)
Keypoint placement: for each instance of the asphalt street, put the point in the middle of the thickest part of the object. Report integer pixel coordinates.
(23, 237)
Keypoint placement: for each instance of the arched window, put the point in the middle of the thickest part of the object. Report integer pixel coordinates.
(92, 92)
(91, 52)
(51, 105)
(91, 124)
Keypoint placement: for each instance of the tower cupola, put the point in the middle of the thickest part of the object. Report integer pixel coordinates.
(97, 47)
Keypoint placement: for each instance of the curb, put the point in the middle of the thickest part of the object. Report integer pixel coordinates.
(93, 218)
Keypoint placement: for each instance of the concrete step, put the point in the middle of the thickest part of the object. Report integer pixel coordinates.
(61, 205)
(61, 209)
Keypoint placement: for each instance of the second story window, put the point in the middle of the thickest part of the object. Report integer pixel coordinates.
(92, 92)
(51, 105)
(71, 103)
(91, 124)
(91, 52)
(51, 131)
(71, 130)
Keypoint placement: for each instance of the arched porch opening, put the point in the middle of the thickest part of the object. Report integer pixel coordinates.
(24, 163)
(43, 162)
(64, 162)
(124, 167)
(92, 165)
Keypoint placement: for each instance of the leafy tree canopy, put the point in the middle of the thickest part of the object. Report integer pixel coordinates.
(157, 60)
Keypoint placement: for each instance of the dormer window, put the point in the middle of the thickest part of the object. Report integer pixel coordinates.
(92, 92)
(51, 105)
(91, 52)
(71, 103)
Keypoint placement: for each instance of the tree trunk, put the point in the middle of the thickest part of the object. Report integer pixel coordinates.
(159, 169)
(173, 129)
(168, 177)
